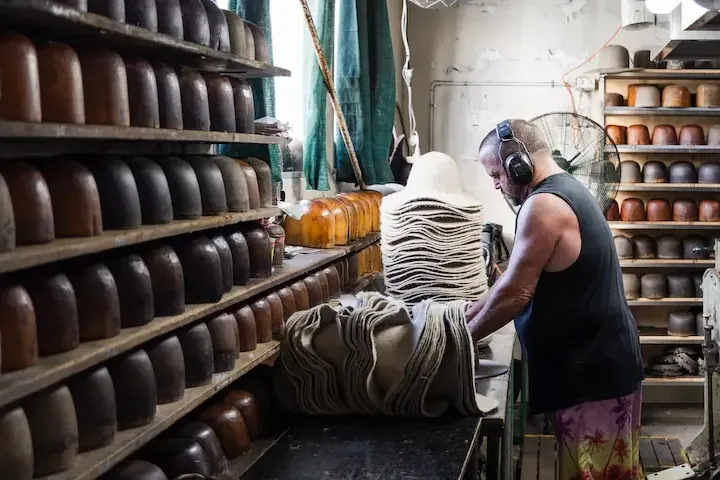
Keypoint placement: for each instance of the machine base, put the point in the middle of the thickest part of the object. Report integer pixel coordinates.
(679, 472)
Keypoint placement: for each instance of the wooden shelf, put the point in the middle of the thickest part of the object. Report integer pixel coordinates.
(666, 302)
(640, 263)
(354, 246)
(240, 465)
(45, 18)
(16, 132)
(688, 381)
(53, 369)
(670, 340)
(664, 225)
(62, 249)
(91, 465)
(667, 187)
(679, 149)
(662, 111)
(362, 283)
(684, 74)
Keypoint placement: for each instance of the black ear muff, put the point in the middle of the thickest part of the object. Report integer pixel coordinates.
(519, 168)
(517, 162)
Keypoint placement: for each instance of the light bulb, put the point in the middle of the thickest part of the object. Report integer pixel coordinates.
(661, 7)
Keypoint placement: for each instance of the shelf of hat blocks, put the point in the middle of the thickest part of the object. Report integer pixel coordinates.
(23, 257)
(91, 465)
(52, 369)
(61, 21)
(94, 463)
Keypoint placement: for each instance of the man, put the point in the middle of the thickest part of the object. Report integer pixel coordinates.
(563, 287)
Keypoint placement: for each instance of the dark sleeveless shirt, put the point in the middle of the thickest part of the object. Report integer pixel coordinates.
(578, 333)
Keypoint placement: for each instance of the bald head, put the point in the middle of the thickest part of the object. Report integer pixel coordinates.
(492, 149)
(528, 133)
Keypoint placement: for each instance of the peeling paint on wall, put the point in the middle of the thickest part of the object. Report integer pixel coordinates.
(482, 62)
(458, 69)
(484, 7)
(563, 58)
(573, 9)
(489, 55)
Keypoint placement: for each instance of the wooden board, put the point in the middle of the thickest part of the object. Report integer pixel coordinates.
(686, 381)
(240, 465)
(662, 452)
(657, 74)
(670, 340)
(666, 187)
(639, 263)
(662, 111)
(670, 302)
(14, 132)
(48, 18)
(547, 461)
(530, 451)
(678, 452)
(62, 249)
(647, 456)
(50, 370)
(667, 149)
(92, 464)
(664, 225)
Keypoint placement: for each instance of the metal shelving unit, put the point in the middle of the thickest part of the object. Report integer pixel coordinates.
(654, 313)
(42, 20)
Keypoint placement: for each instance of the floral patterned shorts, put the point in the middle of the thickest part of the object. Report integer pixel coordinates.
(600, 440)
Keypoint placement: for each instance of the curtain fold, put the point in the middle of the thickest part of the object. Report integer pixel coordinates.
(315, 158)
(365, 82)
(258, 12)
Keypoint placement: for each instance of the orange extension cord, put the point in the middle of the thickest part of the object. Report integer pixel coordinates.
(567, 85)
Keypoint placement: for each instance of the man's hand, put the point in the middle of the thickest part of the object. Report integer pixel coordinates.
(477, 306)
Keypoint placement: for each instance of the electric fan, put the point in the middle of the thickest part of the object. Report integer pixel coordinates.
(581, 147)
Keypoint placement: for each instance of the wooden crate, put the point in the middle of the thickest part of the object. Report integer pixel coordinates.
(539, 458)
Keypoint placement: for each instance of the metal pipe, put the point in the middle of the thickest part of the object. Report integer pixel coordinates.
(709, 351)
(456, 83)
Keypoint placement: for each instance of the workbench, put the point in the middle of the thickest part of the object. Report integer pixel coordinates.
(496, 430)
(445, 448)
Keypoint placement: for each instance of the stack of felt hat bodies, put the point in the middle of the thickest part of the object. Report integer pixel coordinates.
(377, 357)
(432, 236)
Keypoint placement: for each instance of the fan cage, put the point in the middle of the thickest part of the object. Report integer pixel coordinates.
(582, 148)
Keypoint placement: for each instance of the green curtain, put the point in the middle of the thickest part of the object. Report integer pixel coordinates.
(365, 82)
(258, 12)
(315, 161)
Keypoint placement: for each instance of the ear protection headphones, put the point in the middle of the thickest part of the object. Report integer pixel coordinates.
(517, 163)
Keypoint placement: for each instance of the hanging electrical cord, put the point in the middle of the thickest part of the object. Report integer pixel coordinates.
(407, 72)
(567, 85)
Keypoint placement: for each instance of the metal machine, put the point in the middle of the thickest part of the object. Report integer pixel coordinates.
(704, 450)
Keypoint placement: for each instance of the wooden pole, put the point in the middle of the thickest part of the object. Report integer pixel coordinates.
(329, 84)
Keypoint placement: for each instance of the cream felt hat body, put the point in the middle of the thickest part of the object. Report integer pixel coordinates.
(434, 176)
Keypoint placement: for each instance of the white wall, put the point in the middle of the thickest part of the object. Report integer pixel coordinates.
(509, 52)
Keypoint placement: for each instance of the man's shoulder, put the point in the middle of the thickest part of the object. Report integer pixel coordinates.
(546, 207)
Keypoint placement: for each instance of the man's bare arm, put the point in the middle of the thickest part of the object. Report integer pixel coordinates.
(540, 227)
